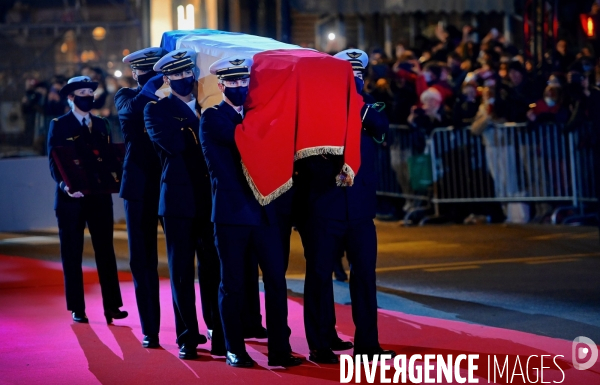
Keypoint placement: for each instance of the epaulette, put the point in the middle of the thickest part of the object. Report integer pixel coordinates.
(55, 120)
(152, 101)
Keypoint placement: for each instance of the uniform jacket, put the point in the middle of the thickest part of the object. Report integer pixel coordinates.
(141, 169)
(67, 131)
(184, 183)
(233, 201)
(317, 194)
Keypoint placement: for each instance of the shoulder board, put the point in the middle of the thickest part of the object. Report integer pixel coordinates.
(152, 101)
(55, 120)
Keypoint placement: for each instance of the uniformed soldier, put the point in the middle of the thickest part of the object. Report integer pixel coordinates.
(185, 202)
(241, 224)
(332, 219)
(90, 136)
(140, 188)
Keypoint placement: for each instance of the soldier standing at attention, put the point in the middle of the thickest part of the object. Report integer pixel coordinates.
(90, 136)
(185, 202)
(332, 219)
(140, 188)
(241, 224)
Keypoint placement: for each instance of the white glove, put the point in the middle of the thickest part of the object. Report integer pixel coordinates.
(76, 194)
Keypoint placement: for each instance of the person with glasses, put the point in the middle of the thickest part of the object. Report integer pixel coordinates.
(242, 226)
(89, 136)
(140, 188)
(185, 203)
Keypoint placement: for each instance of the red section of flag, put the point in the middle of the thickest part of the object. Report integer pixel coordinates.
(301, 103)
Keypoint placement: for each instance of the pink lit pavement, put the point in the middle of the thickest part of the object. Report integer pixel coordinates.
(39, 344)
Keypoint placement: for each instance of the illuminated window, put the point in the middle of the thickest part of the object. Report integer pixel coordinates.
(185, 17)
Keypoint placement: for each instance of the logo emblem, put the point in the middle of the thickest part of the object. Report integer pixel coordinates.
(353, 55)
(584, 357)
(150, 53)
(237, 62)
(179, 55)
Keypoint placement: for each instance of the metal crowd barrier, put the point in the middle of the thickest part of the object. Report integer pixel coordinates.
(506, 163)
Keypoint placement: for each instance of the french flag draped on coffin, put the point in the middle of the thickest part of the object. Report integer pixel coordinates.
(301, 103)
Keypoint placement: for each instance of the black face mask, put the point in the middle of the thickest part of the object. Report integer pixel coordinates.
(143, 79)
(183, 86)
(236, 95)
(360, 84)
(84, 103)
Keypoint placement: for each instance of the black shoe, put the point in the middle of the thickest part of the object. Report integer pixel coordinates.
(285, 360)
(202, 339)
(150, 342)
(79, 316)
(258, 333)
(323, 356)
(239, 360)
(114, 313)
(372, 352)
(188, 352)
(339, 344)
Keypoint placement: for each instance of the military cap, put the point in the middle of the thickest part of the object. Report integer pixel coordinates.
(358, 58)
(77, 83)
(175, 61)
(232, 67)
(144, 59)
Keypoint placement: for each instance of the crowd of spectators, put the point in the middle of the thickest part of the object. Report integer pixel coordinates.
(456, 81)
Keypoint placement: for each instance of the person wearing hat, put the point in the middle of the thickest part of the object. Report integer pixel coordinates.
(140, 188)
(185, 203)
(90, 136)
(242, 226)
(333, 219)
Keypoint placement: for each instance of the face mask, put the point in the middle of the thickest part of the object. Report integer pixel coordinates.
(183, 86)
(84, 103)
(550, 102)
(236, 95)
(360, 84)
(143, 79)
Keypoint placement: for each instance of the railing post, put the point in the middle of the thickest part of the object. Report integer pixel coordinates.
(574, 175)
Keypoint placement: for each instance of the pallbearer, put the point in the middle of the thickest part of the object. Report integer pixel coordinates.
(185, 200)
(140, 188)
(332, 219)
(89, 135)
(242, 225)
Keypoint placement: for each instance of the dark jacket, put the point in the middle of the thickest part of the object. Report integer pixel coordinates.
(317, 194)
(184, 183)
(67, 131)
(141, 169)
(233, 200)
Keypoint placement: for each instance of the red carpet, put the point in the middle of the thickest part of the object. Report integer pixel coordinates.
(39, 344)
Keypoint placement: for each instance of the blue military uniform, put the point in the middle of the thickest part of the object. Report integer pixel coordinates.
(185, 205)
(73, 214)
(140, 190)
(242, 226)
(332, 219)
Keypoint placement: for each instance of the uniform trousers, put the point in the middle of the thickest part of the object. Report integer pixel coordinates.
(234, 242)
(142, 220)
(72, 215)
(323, 240)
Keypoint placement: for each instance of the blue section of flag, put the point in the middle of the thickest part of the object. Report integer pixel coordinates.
(169, 39)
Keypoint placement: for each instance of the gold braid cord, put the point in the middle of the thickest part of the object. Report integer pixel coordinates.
(265, 200)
